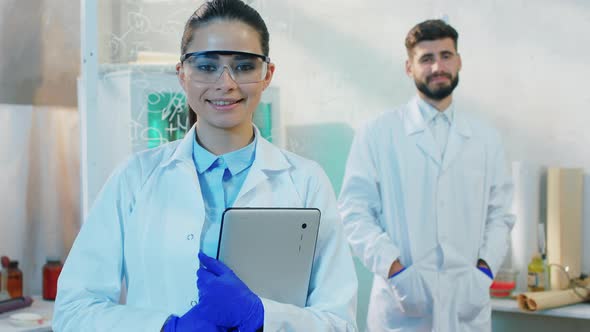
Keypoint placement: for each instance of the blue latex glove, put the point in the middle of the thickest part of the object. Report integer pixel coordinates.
(398, 272)
(486, 271)
(191, 321)
(224, 299)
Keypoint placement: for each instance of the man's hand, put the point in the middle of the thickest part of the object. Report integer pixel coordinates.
(395, 268)
(224, 299)
(482, 263)
(484, 267)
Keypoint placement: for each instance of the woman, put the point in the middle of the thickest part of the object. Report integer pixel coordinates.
(163, 206)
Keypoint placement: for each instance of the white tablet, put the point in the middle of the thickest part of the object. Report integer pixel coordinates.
(271, 250)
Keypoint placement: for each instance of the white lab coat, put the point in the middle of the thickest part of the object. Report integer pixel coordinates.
(145, 226)
(399, 199)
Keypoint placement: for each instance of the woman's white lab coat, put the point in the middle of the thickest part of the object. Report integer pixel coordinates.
(399, 199)
(145, 227)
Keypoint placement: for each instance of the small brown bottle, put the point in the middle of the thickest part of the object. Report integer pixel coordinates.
(14, 280)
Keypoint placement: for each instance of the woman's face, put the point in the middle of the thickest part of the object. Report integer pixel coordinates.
(223, 104)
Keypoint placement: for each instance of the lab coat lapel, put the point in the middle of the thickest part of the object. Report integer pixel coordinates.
(459, 134)
(186, 193)
(268, 159)
(415, 126)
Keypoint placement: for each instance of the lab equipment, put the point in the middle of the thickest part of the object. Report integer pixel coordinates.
(15, 303)
(536, 274)
(26, 319)
(543, 251)
(207, 66)
(504, 283)
(271, 250)
(3, 292)
(51, 271)
(14, 280)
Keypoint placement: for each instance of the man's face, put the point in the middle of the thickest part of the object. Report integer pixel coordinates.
(434, 65)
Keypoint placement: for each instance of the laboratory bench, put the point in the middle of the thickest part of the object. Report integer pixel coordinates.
(40, 307)
(508, 317)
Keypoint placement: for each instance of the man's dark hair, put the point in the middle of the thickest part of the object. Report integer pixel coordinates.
(430, 30)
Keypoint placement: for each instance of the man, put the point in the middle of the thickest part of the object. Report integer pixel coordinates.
(425, 200)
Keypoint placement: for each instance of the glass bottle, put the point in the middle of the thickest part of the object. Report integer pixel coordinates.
(536, 275)
(3, 273)
(14, 280)
(51, 271)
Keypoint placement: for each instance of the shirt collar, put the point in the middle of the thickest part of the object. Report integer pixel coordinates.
(236, 161)
(268, 157)
(429, 112)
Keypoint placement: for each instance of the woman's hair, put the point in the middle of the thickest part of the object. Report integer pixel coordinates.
(230, 10)
(225, 10)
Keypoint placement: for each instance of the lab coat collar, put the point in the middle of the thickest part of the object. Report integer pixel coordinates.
(414, 121)
(459, 132)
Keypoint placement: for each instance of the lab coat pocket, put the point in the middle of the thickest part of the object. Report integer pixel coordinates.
(474, 296)
(410, 293)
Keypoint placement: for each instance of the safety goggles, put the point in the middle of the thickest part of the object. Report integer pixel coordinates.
(243, 67)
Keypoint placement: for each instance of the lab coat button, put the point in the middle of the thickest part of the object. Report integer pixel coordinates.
(190, 237)
(193, 303)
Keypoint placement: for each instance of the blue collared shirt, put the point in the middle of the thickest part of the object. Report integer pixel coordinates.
(221, 178)
(438, 122)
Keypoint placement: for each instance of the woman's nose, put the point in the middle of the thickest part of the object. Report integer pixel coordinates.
(225, 80)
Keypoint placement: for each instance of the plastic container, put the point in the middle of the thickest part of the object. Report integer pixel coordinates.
(503, 284)
(51, 271)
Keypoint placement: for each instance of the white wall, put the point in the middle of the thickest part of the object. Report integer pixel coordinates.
(40, 60)
(39, 186)
(524, 64)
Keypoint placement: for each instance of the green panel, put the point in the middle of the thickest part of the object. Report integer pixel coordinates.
(263, 120)
(167, 116)
(328, 144)
(365, 283)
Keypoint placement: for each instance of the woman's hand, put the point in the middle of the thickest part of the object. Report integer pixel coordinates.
(224, 299)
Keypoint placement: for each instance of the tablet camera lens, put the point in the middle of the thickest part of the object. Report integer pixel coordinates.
(304, 226)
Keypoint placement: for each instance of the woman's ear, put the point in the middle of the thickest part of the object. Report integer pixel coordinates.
(181, 75)
(269, 74)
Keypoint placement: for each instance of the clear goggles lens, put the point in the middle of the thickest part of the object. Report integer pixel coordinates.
(207, 67)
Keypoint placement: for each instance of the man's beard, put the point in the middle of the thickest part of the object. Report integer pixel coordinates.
(438, 93)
